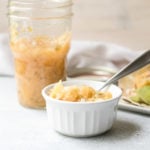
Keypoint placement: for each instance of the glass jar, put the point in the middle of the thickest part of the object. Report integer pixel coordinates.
(40, 34)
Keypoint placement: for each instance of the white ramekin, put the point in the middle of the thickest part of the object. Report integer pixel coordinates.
(82, 119)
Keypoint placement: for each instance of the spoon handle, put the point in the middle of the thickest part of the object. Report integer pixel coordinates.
(136, 64)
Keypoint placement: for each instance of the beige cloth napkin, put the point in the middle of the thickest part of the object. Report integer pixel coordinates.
(89, 54)
(82, 54)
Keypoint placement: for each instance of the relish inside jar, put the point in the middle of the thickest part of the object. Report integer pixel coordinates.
(39, 61)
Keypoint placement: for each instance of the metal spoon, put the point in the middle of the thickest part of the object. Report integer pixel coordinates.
(136, 64)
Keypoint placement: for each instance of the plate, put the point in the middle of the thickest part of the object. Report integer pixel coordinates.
(124, 105)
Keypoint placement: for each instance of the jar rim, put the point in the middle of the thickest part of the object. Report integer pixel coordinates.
(40, 4)
(22, 9)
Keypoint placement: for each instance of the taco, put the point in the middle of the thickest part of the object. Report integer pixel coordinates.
(136, 86)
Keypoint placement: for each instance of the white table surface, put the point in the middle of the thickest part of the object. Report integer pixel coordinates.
(27, 129)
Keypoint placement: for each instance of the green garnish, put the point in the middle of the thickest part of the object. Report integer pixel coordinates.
(135, 99)
(144, 94)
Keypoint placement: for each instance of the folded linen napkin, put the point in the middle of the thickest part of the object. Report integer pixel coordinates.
(82, 54)
(95, 54)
